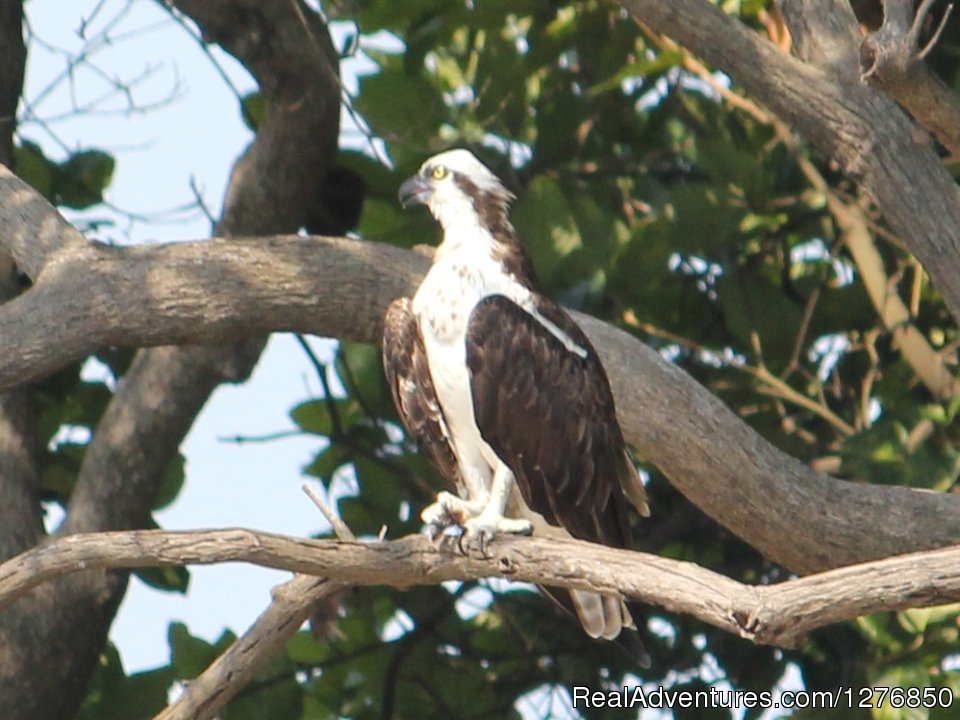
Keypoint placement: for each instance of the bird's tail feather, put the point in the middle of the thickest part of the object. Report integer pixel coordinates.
(603, 616)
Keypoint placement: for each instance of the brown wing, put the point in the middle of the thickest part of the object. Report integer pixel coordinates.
(548, 413)
(408, 374)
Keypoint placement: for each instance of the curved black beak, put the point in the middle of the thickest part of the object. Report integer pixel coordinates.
(414, 191)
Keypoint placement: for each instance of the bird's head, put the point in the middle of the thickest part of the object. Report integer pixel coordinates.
(458, 188)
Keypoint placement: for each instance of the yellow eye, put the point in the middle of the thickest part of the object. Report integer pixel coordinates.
(439, 172)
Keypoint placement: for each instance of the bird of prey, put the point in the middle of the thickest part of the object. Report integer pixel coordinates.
(504, 392)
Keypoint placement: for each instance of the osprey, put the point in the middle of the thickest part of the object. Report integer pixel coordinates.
(504, 392)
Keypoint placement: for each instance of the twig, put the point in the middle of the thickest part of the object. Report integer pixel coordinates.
(340, 528)
(228, 674)
(770, 383)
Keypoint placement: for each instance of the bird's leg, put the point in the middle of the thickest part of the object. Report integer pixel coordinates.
(449, 510)
(480, 529)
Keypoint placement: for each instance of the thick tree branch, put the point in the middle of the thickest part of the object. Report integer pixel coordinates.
(31, 229)
(864, 131)
(200, 292)
(891, 60)
(21, 525)
(226, 289)
(778, 614)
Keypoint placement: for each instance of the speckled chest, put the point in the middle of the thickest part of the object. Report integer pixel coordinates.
(449, 293)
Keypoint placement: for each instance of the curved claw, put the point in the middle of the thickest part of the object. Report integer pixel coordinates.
(480, 531)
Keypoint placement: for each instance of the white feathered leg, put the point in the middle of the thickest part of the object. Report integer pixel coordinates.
(483, 527)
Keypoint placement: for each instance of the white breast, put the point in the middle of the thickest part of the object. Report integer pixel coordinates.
(461, 276)
(442, 305)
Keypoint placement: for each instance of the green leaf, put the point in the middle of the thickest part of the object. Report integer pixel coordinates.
(171, 483)
(34, 167)
(885, 453)
(167, 579)
(253, 110)
(752, 303)
(112, 695)
(916, 620)
(543, 218)
(81, 180)
(327, 462)
(360, 367)
(400, 102)
(313, 416)
(900, 680)
(303, 648)
(59, 471)
(189, 655)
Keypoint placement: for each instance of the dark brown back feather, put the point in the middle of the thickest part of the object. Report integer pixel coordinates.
(549, 415)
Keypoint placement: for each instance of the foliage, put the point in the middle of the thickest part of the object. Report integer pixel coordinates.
(647, 201)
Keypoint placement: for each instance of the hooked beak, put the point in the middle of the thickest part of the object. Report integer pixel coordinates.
(415, 191)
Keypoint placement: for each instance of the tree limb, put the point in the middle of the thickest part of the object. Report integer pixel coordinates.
(21, 527)
(871, 138)
(213, 291)
(337, 287)
(31, 229)
(778, 614)
(891, 60)
(893, 312)
(292, 603)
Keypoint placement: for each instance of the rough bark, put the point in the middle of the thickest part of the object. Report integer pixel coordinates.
(22, 525)
(228, 289)
(778, 614)
(891, 60)
(13, 55)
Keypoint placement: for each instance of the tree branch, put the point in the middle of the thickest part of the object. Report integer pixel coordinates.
(778, 614)
(212, 291)
(19, 475)
(31, 229)
(336, 287)
(13, 56)
(893, 312)
(292, 603)
(871, 138)
(891, 60)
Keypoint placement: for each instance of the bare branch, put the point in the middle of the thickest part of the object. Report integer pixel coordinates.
(340, 528)
(228, 674)
(779, 614)
(893, 312)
